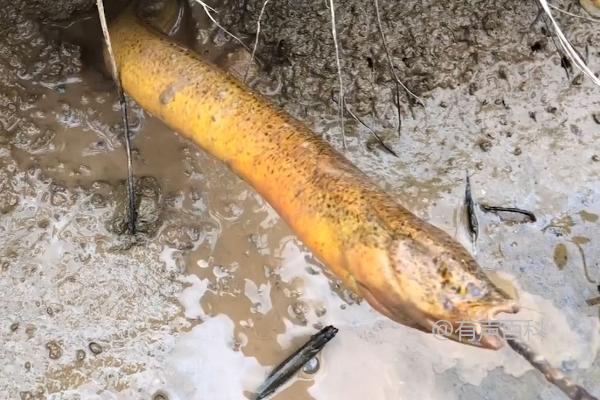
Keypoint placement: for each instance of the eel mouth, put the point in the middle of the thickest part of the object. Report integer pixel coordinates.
(473, 324)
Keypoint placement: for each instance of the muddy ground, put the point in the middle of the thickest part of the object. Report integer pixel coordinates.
(216, 289)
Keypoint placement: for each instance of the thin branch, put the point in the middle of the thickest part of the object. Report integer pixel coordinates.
(567, 47)
(398, 108)
(207, 10)
(552, 374)
(537, 18)
(123, 105)
(470, 211)
(541, 15)
(339, 71)
(379, 139)
(262, 11)
(389, 58)
(107, 42)
(591, 19)
(586, 272)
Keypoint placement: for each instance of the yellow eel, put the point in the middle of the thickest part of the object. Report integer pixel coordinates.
(591, 6)
(407, 269)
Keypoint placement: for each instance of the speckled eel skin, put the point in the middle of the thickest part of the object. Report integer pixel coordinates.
(407, 269)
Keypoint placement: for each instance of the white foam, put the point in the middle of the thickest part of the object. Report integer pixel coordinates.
(203, 365)
(408, 362)
(200, 365)
(260, 296)
(191, 296)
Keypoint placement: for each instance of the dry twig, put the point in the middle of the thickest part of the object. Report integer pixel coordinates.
(123, 105)
(377, 137)
(552, 374)
(260, 15)
(399, 83)
(566, 45)
(591, 19)
(339, 71)
(207, 10)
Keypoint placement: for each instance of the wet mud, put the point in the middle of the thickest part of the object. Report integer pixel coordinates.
(215, 289)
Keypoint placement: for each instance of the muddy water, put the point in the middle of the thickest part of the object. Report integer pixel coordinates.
(217, 289)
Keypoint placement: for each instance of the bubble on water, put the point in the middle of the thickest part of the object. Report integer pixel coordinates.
(54, 350)
(95, 348)
(312, 366)
(160, 396)
(80, 355)
(58, 251)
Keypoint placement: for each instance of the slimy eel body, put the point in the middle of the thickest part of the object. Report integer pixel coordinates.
(406, 268)
(591, 6)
